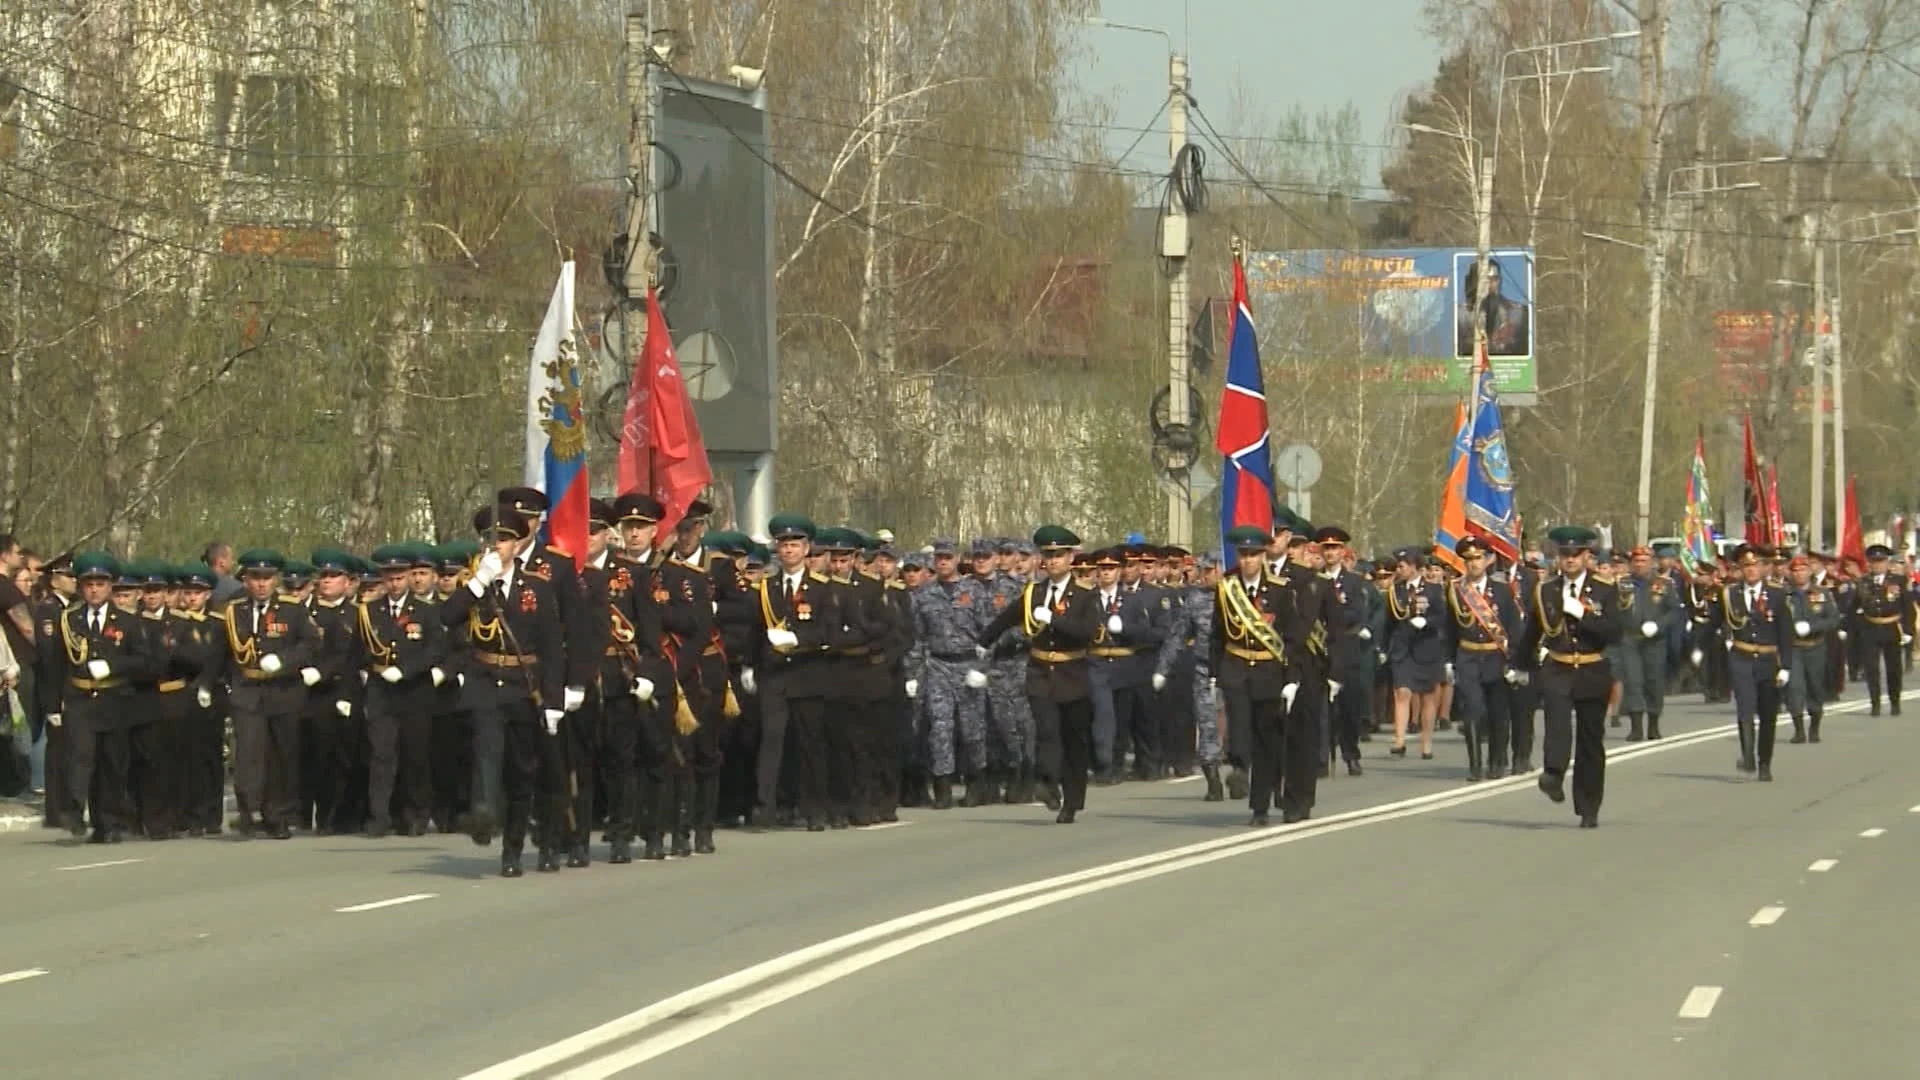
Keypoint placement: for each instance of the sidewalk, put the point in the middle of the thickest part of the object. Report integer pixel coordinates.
(22, 814)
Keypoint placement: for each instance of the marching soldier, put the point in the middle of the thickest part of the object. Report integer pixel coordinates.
(1759, 633)
(1008, 714)
(1351, 663)
(1253, 671)
(1060, 619)
(801, 622)
(512, 618)
(948, 613)
(1816, 617)
(450, 736)
(271, 646)
(48, 610)
(1184, 666)
(1416, 650)
(152, 740)
(200, 645)
(1483, 626)
(333, 712)
(95, 653)
(1884, 626)
(859, 745)
(1121, 668)
(405, 644)
(1654, 609)
(897, 604)
(737, 615)
(658, 754)
(1575, 616)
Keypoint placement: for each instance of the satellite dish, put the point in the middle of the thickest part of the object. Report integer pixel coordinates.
(708, 365)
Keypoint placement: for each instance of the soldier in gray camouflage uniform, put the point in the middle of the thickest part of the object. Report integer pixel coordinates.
(1009, 715)
(1187, 645)
(948, 613)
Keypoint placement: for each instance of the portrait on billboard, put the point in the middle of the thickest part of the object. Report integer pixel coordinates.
(1509, 304)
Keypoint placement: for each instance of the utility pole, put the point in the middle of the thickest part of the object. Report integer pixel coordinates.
(640, 253)
(1175, 244)
(1839, 421)
(1817, 498)
(1656, 296)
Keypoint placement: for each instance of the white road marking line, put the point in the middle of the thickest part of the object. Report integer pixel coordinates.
(22, 975)
(1913, 809)
(878, 825)
(1821, 866)
(1871, 833)
(1185, 779)
(394, 902)
(710, 1011)
(1767, 916)
(1700, 1002)
(98, 865)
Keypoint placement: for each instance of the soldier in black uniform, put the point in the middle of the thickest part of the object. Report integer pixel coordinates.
(271, 648)
(93, 656)
(1523, 697)
(1251, 665)
(1482, 626)
(1759, 631)
(333, 704)
(512, 617)
(1060, 618)
(50, 605)
(634, 686)
(1574, 617)
(200, 651)
(153, 739)
(713, 700)
(801, 623)
(1351, 662)
(404, 641)
(737, 615)
(1884, 623)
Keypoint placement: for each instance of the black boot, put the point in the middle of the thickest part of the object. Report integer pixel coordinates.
(1634, 732)
(976, 795)
(621, 853)
(1020, 789)
(1236, 783)
(1653, 726)
(943, 793)
(1799, 731)
(706, 807)
(1813, 727)
(1215, 792)
(682, 846)
(578, 857)
(654, 850)
(510, 861)
(1050, 795)
(549, 861)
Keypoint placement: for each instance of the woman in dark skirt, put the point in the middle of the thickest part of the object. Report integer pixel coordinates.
(1416, 650)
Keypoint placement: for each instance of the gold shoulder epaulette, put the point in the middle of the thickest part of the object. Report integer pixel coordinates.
(896, 584)
(221, 615)
(818, 576)
(156, 616)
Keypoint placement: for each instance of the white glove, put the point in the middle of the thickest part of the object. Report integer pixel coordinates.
(913, 689)
(976, 679)
(459, 678)
(1781, 677)
(439, 677)
(643, 688)
(363, 676)
(747, 682)
(1159, 682)
(1288, 693)
(203, 697)
(716, 607)
(1449, 670)
(1803, 628)
(1697, 657)
(1418, 622)
(344, 708)
(553, 718)
(391, 674)
(1843, 635)
(98, 668)
(310, 676)
(1906, 639)
(1572, 606)
(270, 664)
(1213, 686)
(572, 698)
(981, 651)
(1366, 633)
(1729, 645)
(53, 719)
(1540, 655)
(1043, 616)
(1512, 677)
(1524, 678)
(1333, 689)
(1649, 628)
(486, 573)
(1113, 624)
(782, 639)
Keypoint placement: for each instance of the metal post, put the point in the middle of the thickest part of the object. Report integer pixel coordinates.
(1483, 213)
(1179, 501)
(1817, 498)
(1839, 421)
(639, 262)
(1649, 390)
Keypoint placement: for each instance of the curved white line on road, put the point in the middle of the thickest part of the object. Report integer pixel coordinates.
(1821, 866)
(375, 905)
(1871, 834)
(957, 917)
(22, 975)
(100, 865)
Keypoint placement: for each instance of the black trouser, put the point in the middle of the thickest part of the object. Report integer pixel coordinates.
(333, 746)
(203, 767)
(449, 764)
(266, 751)
(159, 753)
(739, 754)
(532, 776)
(1575, 705)
(1480, 695)
(657, 760)
(1178, 724)
(1352, 712)
(1756, 698)
(793, 725)
(1882, 651)
(59, 775)
(584, 733)
(399, 730)
(1266, 726)
(1135, 725)
(1521, 703)
(618, 765)
(1063, 746)
(98, 760)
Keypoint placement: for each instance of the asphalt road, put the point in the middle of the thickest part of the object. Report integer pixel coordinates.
(1417, 927)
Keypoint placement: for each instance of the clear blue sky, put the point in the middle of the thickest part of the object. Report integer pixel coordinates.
(1317, 54)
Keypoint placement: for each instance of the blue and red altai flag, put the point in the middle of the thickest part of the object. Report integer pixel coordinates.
(556, 458)
(1246, 476)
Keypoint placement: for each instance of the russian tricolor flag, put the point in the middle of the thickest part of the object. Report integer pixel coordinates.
(1246, 477)
(556, 457)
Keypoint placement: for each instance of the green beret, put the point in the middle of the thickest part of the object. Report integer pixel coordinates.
(261, 561)
(422, 553)
(193, 575)
(331, 560)
(791, 527)
(393, 557)
(298, 569)
(1572, 537)
(1248, 538)
(1055, 538)
(837, 539)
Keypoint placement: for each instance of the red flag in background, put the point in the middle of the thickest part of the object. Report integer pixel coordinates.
(1758, 519)
(661, 451)
(1776, 522)
(1852, 550)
